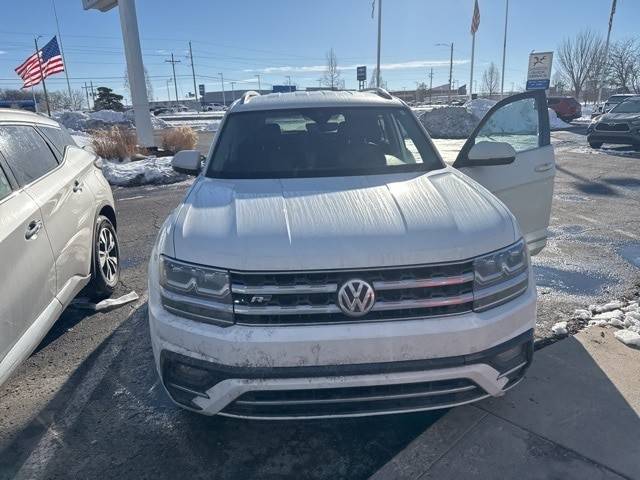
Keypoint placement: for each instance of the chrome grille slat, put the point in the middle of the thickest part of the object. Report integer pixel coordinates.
(423, 282)
(283, 289)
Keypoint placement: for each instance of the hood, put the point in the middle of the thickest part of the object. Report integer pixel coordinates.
(618, 117)
(345, 222)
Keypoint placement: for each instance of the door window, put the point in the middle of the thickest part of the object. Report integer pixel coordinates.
(515, 123)
(5, 188)
(26, 152)
(59, 137)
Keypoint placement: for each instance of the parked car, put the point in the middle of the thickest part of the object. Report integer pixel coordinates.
(567, 108)
(327, 263)
(57, 231)
(620, 125)
(215, 107)
(611, 102)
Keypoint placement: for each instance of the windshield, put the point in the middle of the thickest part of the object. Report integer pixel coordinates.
(630, 106)
(312, 142)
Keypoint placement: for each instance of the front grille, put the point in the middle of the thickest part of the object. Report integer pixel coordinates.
(378, 399)
(311, 297)
(612, 127)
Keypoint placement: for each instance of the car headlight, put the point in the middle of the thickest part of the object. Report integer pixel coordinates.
(500, 276)
(196, 292)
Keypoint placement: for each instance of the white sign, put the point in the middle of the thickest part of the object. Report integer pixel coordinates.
(539, 73)
(102, 5)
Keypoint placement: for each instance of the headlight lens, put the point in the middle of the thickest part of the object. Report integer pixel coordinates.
(196, 292)
(500, 276)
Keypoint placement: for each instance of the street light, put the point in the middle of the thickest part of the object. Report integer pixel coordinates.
(450, 45)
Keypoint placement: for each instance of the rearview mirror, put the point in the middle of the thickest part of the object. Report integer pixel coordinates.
(187, 161)
(488, 154)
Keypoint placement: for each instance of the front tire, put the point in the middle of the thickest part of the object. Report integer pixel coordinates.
(595, 144)
(105, 271)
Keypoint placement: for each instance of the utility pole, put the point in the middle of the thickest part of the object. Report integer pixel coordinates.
(259, 86)
(606, 51)
(193, 73)
(224, 100)
(93, 94)
(168, 90)
(504, 47)
(379, 43)
(64, 59)
(173, 66)
(86, 90)
(430, 85)
(233, 91)
(44, 85)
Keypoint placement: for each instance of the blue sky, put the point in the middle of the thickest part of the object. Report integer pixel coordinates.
(242, 38)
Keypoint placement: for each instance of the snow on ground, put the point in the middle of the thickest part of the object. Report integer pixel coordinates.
(149, 171)
(84, 122)
(555, 123)
(622, 315)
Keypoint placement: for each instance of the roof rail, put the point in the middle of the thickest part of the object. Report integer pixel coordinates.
(381, 92)
(246, 98)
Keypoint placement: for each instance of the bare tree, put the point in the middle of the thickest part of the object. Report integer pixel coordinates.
(372, 80)
(624, 59)
(332, 77)
(581, 58)
(491, 79)
(559, 82)
(147, 81)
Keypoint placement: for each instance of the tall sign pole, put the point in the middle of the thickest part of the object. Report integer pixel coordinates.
(504, 47)
(135, 67)
(606, 51)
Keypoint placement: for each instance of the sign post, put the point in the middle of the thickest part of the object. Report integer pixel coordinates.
(201, 92)
(362, 76)
(539, 73)
(135, 68)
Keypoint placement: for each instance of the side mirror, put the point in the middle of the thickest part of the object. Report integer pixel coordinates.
(484, 154)
(186, 161)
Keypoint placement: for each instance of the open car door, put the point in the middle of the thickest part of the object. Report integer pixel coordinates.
(510, 154)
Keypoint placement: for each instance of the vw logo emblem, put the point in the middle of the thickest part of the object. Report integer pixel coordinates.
(356, 298)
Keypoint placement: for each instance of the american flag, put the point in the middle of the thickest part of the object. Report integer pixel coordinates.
(475, 21)
(50, 58)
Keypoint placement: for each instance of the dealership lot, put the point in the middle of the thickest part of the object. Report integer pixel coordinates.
(88, 402)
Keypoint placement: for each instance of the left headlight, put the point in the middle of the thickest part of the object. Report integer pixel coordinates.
(196, 292)
(500, 276)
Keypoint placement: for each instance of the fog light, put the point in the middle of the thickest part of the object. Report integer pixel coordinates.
(187, 375)
(507, 355)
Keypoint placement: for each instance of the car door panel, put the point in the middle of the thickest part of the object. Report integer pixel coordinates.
(28, 286)
(68, 210)
(526, 185)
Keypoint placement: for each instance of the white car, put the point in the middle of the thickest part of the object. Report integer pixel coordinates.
(57, 230)
(327, 263)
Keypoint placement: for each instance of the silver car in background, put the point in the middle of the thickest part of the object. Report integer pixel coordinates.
(57, 231)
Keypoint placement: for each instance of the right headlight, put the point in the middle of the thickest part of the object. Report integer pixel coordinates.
(196, 292)
(500, 276)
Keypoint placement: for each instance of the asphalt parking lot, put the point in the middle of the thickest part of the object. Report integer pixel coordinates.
(87, 403)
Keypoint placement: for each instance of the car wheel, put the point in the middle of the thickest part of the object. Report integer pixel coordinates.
(595, 144)
(105, 270)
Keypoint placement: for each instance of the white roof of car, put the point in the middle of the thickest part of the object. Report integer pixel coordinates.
(15, 115)
(318, 98)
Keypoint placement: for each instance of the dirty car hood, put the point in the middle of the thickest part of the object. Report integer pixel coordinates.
(339, 222)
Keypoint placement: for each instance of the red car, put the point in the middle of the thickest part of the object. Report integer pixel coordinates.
(567, 108)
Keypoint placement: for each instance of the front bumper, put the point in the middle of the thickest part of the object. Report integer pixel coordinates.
(342, 370)
(631, 137)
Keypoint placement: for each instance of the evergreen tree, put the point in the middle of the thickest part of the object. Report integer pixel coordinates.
(107, 100)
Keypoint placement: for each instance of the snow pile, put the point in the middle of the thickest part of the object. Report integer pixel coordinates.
(479, 107)
(623, 315)
(149, 171)
(85, 122)
(554, 122)
(449, 122)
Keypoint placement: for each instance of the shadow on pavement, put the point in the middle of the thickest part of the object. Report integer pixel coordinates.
(127, 427)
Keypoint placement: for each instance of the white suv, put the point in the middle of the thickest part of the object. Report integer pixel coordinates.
(57, 230)
(327, 263)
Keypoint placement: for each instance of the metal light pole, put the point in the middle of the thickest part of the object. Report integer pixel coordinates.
(259, 86)
(224, 100)
(606, 51)
(504, 47)
(379, 43)
(135, 71)
(450, 45)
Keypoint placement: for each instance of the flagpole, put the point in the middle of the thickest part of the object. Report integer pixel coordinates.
(64, 59)
(473, 50)
(44, 85)
(504, 47)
